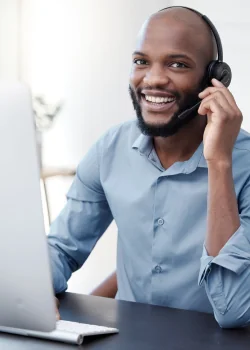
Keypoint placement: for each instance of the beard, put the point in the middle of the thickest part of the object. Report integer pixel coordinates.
(174, 124)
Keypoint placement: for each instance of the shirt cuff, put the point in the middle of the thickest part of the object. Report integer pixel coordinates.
(205, 267)
(234, 256)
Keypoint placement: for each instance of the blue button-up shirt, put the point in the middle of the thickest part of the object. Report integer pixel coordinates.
(161, 218)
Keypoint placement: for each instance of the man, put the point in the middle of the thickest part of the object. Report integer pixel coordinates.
(178, 190)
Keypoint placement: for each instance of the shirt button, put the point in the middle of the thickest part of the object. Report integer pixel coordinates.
(158, 269)
(160, 221)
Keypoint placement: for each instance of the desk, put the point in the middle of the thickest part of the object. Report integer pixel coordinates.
(142, 327)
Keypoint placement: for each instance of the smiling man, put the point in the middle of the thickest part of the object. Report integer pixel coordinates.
(185, 50)
(178, 188)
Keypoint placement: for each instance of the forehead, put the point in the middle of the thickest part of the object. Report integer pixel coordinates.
(165, 34)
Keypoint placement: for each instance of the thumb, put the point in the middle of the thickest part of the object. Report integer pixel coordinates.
(58, 317)
(217, 83)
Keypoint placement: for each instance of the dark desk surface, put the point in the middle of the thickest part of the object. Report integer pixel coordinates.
(142, 327)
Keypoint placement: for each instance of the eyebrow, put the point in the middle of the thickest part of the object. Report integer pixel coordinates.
(172, 56)
(139, 53)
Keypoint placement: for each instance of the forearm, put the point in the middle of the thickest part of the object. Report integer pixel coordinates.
(107, 288)
(223, 216)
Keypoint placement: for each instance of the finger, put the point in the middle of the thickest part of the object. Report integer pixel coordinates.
(217, 83)
(57, 302)
(211, 107)
(222, 101)
(58, 317)
(211, 90)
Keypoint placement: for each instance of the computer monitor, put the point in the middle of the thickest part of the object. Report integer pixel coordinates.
(26, 296)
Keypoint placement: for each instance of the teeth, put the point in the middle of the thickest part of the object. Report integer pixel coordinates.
(159, 99)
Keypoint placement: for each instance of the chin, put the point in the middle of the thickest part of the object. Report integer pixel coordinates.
(159, 125)
(156, 123)
(157, 119)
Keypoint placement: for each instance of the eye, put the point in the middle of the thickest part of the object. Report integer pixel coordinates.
(140, 62)
(178, 65)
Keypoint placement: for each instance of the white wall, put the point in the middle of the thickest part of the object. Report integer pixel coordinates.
(80, 51)
(9, 39)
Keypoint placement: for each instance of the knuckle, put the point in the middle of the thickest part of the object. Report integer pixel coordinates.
(218, 94)
(224, 117)
(239, 115)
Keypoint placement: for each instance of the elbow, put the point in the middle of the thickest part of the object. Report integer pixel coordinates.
(233, 319)
(229, 323)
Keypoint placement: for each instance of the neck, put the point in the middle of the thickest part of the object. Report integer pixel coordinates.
(181, 146)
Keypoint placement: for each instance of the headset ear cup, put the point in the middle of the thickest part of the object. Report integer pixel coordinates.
(220, 71)
(210, 72)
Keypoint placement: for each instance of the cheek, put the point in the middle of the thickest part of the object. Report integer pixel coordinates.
(181, 81)
(136, 77)
(184, 84)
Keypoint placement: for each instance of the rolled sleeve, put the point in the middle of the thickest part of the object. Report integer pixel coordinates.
(234, 256)
(227, 278)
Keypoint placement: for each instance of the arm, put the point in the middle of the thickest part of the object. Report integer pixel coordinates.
(226, 257)
(226, 275)
(108, 288)
(223, 216)
(81, 223)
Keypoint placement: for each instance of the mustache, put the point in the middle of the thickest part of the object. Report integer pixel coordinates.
(138, 92)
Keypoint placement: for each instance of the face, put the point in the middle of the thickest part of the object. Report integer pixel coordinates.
(167, 74)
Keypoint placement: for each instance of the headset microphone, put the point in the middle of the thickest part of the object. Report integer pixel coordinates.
(189, 111)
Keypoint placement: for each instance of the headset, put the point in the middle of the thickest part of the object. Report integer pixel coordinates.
(217, 68)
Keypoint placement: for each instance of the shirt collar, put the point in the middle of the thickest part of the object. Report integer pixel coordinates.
(144, 145)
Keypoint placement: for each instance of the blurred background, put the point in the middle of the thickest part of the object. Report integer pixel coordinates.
(75, 55)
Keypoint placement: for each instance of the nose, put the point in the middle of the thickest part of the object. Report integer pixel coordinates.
(156, 76)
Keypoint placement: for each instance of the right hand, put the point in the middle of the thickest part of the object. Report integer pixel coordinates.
(57, 309)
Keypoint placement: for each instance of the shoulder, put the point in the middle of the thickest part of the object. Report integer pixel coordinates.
(242, 146)
(243, 141)
(241, 153)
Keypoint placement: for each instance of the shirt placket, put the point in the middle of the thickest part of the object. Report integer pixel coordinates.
(161, 244)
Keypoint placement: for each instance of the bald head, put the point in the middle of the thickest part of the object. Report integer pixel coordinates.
(189, 25)
(195, 23)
